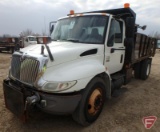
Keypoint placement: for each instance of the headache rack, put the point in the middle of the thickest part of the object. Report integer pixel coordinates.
(121, 12)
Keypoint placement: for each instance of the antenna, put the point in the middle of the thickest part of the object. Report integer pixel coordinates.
(44, 24)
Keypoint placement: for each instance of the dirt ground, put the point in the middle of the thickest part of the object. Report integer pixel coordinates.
(121, 114)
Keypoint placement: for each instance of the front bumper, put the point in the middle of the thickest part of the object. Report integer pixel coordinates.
(16, 94)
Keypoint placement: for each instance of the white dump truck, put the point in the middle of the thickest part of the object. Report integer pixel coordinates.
(92, 54)
(28, 40)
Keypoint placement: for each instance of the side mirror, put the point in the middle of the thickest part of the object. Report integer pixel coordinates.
(51, 26)
(141, 27)
(144, 27)
(51, 29)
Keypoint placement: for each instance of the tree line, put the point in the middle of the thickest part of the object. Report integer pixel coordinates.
(27, 32)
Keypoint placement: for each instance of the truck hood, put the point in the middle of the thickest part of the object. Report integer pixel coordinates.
(65, 51)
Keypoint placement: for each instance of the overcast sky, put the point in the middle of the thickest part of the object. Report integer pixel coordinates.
(18, 15)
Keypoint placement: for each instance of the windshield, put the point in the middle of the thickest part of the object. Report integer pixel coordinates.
(32, 39)
(83, 29)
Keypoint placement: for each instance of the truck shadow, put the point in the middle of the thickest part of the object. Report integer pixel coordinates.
(40, 121)
(117, 96)
(119, 92)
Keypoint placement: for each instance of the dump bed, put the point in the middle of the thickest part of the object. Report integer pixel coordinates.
(7, 44)
(144, 47)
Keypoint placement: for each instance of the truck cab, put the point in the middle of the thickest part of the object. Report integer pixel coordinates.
(29, 40)
(91, 54)
(102, 30)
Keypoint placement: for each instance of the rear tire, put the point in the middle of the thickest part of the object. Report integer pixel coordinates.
(145, 69)
(92, 102)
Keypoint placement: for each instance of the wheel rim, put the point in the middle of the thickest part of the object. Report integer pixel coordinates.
(148, 69)
(95, 102)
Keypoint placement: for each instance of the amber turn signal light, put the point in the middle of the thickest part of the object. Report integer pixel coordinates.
(126, 5)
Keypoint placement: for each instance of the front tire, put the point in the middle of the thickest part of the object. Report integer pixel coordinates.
(92, 102)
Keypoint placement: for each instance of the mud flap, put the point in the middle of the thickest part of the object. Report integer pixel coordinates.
(14, 101)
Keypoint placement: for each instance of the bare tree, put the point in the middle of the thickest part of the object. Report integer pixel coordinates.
(6, 35)
(154, 34)
(26, 32)
(151, 34)
(36, 34)
(157, 35)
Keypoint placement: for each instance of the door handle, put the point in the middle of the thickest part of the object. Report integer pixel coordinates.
(113, 49)
(121, 58)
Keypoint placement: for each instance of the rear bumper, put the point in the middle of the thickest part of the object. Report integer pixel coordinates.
(15, 96)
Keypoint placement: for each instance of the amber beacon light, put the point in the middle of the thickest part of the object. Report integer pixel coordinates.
(126, 5)
(71, 12)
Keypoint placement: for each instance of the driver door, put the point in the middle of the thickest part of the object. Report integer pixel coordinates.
(115, 49)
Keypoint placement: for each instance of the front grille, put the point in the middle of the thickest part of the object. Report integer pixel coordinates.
(25, 70)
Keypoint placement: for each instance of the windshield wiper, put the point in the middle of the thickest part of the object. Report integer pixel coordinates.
(73, 40)
(48, 50)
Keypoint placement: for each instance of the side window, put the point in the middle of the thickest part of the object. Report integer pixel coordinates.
(118, 31)
(115, 33)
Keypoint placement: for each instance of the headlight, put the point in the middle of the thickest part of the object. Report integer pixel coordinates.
(55, 87)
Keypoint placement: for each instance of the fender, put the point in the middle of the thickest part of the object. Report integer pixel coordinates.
(82, 70)
(108, 80)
